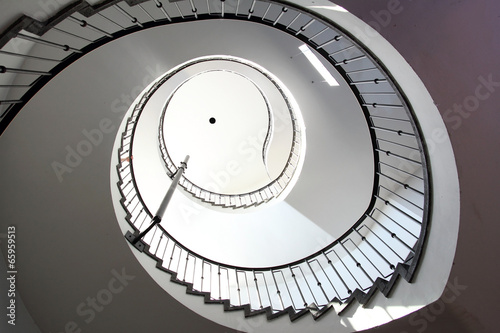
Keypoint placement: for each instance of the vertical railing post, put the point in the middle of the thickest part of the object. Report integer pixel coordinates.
(136, 239)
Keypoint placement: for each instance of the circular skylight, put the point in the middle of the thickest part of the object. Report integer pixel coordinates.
(253, 153)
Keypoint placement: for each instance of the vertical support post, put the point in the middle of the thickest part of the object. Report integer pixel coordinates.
(136, 239)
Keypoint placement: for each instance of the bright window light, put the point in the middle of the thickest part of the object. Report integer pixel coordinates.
(318, 65)
(331, 7)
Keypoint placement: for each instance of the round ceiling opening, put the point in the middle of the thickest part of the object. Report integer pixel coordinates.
(254, 154)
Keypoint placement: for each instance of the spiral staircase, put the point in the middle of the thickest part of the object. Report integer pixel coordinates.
(385, 242)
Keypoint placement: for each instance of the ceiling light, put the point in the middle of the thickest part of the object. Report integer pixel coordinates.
(327, 76)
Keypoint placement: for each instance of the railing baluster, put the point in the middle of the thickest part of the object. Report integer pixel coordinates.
(347, 269)
(210, 12)
(283, 11)
(257, 288)
(10, 102)
(347, 61)
(389, 153)
(179, 9)
(146, 12)
(308, 286)
(387, 245)
(85, 24)
(298, 287)
(202, 273)
(304, 27)
(361, 71)
(210, 277)
(398, 144)
(374, 81)
(405, 186)
(110, 20)
(73, 35)
(403, 198)
(133, 19)
(317, 280)
(368, 259)
(171, 256)
(342, 50)
(178, 258)
(387, 106)
(400, 170)
(194, 10)
(389, 118)
(158, 247)
(317, 34)
(251, 10)
(218, 273)
(267, 11)
(132, 188)
(328, 278)
(4, 69)
(193, 277)
(186, 266)
(288, 290)
(159, 5)
(278, 291)
(334, 39)
(293, 21)
(358, 264)
(142, 223)
(390, 218)
(153, 238)
(228, 284)
(28, 56)
(238, 289)
(165, 249)
(48, 43)
(131, 199)
(388, 203)
(393, 235)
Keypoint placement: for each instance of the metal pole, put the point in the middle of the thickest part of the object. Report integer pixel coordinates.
(163, 206)
(171, 190)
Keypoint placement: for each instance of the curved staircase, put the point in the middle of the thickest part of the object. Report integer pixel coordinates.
(384, 243)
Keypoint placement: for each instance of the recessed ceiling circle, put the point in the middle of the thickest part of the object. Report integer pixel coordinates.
(255, 152)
